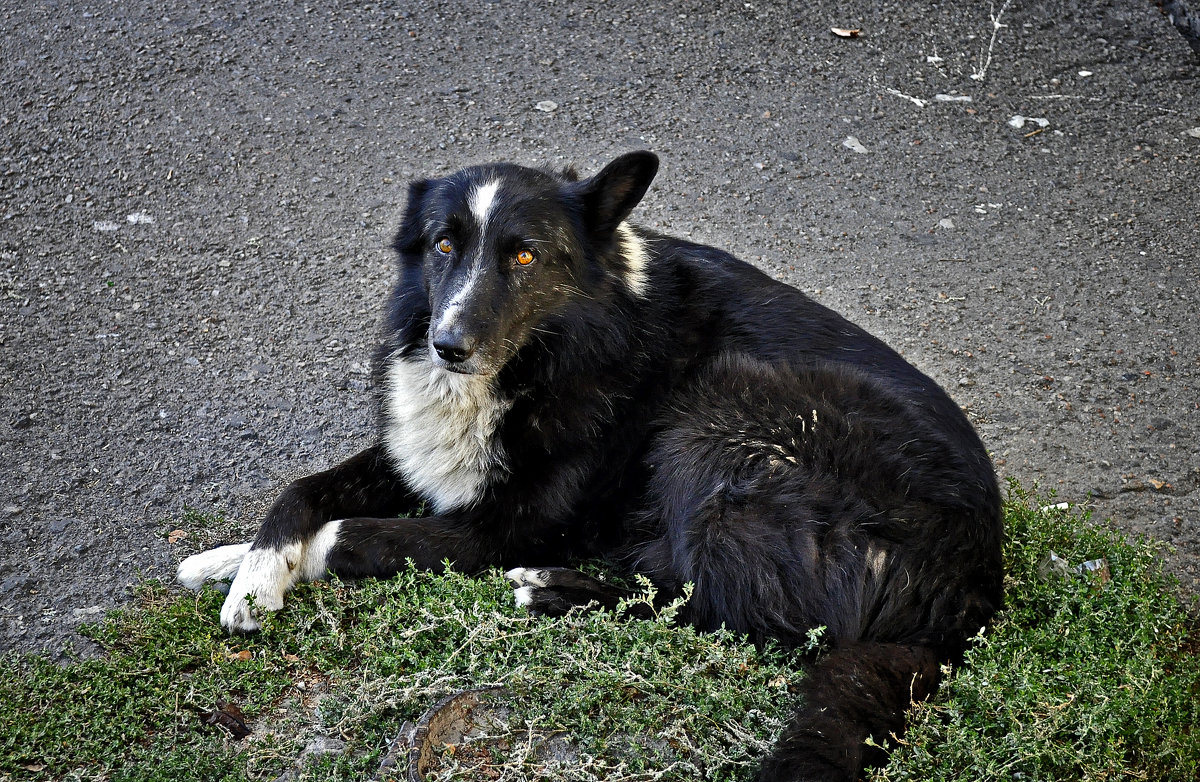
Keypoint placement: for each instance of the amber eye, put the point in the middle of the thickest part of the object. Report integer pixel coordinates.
(525, 257)
(445, 246)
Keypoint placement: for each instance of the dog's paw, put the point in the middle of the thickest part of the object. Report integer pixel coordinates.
(555, 591)
(216, 564)
(530, 588)
(242, 614)
(261, 581)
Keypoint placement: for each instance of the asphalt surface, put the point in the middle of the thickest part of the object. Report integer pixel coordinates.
(195, 207)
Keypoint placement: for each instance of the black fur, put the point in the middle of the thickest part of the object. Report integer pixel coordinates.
(687, 418)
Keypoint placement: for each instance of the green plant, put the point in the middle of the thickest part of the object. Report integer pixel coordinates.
(1083, 677)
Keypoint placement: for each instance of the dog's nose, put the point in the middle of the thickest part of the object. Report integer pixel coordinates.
(453, 347)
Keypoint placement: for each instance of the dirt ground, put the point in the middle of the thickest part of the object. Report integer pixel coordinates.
(195, 207)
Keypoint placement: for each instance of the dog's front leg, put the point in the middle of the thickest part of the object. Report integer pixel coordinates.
(296, 536)
(352, 548)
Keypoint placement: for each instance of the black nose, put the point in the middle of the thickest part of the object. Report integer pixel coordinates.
(453, 347)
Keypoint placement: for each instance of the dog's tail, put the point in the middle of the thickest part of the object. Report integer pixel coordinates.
(858, 690)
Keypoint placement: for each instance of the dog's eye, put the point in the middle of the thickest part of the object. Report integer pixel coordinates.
(445, 246)
(525, 257)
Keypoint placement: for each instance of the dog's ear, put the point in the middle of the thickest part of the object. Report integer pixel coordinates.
(410, 236)
(611, 195)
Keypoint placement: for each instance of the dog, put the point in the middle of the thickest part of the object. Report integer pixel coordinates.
(555, 384)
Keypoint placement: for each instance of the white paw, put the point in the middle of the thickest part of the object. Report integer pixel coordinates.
(241, 615)
(215, 564)
(261, 581)
(527, 577)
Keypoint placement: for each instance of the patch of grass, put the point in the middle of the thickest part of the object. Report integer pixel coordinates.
(355, 661)
(1079, 680)
(132, 713)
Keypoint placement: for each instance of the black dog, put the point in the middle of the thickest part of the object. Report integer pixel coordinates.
(556, 384)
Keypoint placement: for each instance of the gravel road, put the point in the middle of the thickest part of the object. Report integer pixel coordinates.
(196, 204)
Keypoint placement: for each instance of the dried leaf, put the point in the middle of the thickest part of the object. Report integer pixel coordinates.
(243, 656)
(176, 535)
(844, 32)
(228, 716)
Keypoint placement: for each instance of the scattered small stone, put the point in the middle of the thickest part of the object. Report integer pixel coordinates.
(946, 223)
(546, 106)
(13, 584)
(58, 526)
(139, 218)
(919, 102)
(1018, 121)
(944, 98)
(853, 143)
(1193, 132)
(104, 226)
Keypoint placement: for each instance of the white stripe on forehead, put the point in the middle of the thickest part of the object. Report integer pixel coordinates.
(481, 201)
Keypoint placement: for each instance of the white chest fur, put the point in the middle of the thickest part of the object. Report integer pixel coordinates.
(440, 429)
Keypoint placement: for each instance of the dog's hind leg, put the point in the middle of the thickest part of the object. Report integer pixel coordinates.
(856, 691)
(553, 591)
(296, 536)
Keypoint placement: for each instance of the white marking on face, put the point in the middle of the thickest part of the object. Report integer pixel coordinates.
(482, 199)
(213, 565)
(453, 310)
(636, 260)
(441, 431)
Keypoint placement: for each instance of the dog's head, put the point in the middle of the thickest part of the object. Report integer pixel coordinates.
(492, 254)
